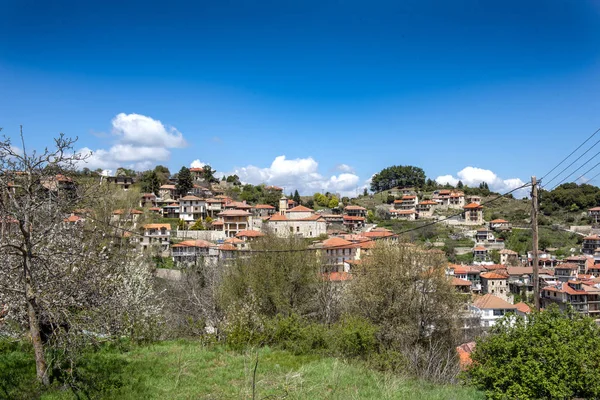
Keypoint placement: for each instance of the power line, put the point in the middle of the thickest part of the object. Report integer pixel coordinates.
(580, 176)
(578, 168)
(396, 235)
(567, 157)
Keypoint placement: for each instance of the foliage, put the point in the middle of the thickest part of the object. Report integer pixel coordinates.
(170, 369)
(569, 196)
(404, 291)
(163, 173)
(17, 370)
(198, 225)
(184, 181)
(275, 282)
(125, 172)
(208, 174)
(296, 197)
(543, 355)
(150, 182)
(397, 175)
(333, 202)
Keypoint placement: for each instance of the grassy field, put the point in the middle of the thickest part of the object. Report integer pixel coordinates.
(188, 370)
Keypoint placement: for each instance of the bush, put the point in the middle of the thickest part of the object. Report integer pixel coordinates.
(354, 337)
(17, 371)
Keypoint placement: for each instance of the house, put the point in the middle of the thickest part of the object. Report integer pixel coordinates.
(156, 235)
(122, 181)
(425, 208)
(333, 218)
(480, 254)
(380, 234)
(171, 210)
(409, 215)
(197, 174)
(495, 283)
(191, 208)
(128, 216)
(520, 280)
(461, 285)
(299, 221)
(58, 183)
(238, 205)
(583, 261)
(545, 259)
(353, 223)
(148, 200)
(355, 211)
(449, 199)
(235, 221)
(500, 225)
(249, 235)
(337, 252)
(263, 210)
(491, 308)
(469, 273)
(214, 206)
(523, 309)
(484, 235)
(406, 203)
(566, 271)
(473, 199)
(286, 204)
(508, 257)
(190, 252)
(566, 294)
(590, 244)
(594, 213)
(402, 191)
(167, 192)
(473, 214)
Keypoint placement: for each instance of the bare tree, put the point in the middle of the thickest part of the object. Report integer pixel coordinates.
(62, 279)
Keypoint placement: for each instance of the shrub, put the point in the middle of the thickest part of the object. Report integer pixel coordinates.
(17, 371)
(354, 337)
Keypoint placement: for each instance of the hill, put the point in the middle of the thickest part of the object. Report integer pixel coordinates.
(189, 370)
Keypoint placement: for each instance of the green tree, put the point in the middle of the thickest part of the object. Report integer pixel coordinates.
(208, 174)
(321, 199)
(398, 175)
(184, 181)
(125, 172)
(365, 192)
(163, 173)
(459, 185)
(370, 217)
(150, 182)
(198, 225)
(296, 197)
(333, 202)
(544, 355)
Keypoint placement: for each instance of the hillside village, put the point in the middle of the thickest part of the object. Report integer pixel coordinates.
(208, 224)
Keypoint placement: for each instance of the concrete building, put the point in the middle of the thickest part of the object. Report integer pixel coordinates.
(235, 221)
(509, 257)
(495, 283)
(158, 235)
(473, 214)
(191, 208)
(490, 308)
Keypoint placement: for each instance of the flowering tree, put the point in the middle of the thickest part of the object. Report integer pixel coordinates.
(64, 279)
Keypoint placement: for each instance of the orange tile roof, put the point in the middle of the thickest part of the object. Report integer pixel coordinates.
(196, 169)
(464, 354)
(234, 213)
(519, 270)
(249, 234)
(354, 208)
(338, 243)
(522, 307)
(217, 222)
(72, 218)
(498, 221)
(459, 282)
(264, 206)
(158, 226)
(473, 206)
(190, 198)
(193, 243)
(227, 247)
(594, 209)
(238, 204)
(132, 211)
(337, 276)
(493, 275)
(377, 234)
(567, 266)
(507, 251)
(234, 240)
(489, 301)
(277, 217)
(592, 237)
(479, 248)
(402, 212)
(407, 197)
(428, 202)
(300, 209)
(168, 187)
(351, 218)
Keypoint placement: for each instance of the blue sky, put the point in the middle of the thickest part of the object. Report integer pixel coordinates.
(340, 89)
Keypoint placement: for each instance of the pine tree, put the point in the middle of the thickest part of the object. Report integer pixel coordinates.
(150, 182)
(459, 185)
(184, 181)
(296, 197)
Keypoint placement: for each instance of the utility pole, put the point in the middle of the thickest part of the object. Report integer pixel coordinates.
(534, 229)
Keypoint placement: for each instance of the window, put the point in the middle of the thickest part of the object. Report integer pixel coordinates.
(297, 229)
(498, 313)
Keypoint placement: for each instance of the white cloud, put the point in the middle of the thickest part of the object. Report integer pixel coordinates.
(141, 130)
(344, 168)
(301, 174)
(473, 176)
(197, 164)
(141, 142)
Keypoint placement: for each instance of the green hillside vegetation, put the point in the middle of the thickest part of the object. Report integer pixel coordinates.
(188, 369)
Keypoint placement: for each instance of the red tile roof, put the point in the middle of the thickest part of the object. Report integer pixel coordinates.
(338, 243)
(567, 266)
(473, 206)
(72, 218)
(459, 282)
(264, 206)
(522, 307)
(193, 243)
(158, 226)
(227, 247)
(249, 234)
(300, 209)
(498, 221)
(354, 208)
(234, 213)
(277, 217)
(493, 275)
(190, 198)
(489, 301)
(351, 218)
(337, 276)
(479, 248)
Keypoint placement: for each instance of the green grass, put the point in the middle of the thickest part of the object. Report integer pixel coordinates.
(189, 370)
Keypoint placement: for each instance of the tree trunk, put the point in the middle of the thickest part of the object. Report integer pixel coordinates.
(36, 339)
